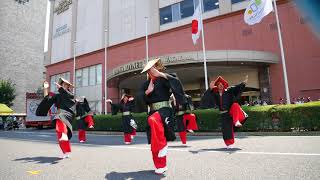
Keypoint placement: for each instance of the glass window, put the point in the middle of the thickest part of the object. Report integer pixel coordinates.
(165, 15)
(67, 76)
(92, 76)
(52, 83)
(176, 12)
(186, 8)
(209, 5)
(85, 76)
(99, 73)
(236, 1)
(79, 78)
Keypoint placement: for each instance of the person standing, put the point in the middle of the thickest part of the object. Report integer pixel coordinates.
(126, 106)
(226, 98)
(66, 105)
(84, 118)
(156, 93)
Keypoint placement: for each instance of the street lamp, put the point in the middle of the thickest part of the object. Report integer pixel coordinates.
(74, 67)
(105, 71)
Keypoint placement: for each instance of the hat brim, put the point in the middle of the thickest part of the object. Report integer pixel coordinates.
(62, 80)
(149, 65)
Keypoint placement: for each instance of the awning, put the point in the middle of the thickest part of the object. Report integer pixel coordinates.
(5, 110)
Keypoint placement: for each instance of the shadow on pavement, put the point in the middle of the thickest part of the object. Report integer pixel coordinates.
(40, 160)
(179, 146)
(229, 151)
(146, 174)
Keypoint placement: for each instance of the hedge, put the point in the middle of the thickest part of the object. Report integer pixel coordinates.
(261, 118)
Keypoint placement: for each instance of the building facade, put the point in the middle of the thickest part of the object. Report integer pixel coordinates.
(84, 30)
(22, 27)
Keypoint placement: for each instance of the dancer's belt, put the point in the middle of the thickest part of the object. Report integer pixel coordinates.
(181, 113)
(158, 105)
(221, 112)
(126, 113)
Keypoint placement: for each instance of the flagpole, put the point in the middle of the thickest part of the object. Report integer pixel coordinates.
(105, 73)
(282, 55)
(147, 45)
(204, 51)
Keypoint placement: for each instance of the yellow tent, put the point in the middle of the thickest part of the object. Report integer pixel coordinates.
(5, 110)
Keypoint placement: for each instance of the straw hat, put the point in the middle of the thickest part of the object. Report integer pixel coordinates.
(150, 64)
(62, 80)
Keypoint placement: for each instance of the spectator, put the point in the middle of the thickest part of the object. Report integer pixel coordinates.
(309, 99)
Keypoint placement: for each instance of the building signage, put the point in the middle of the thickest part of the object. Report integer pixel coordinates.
(61, 30)
(63, 6)
(138, 65)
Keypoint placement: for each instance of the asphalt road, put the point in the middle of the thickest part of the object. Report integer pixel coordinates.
(34, 155)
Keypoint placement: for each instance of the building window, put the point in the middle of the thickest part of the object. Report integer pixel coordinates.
(89, 76)
(186, 8)
(176, 15)
(209, 5)
(55, 78)
(92, 76)
(236, 1)
(99, 73)
(165, 15)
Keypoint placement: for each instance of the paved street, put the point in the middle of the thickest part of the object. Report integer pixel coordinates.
(33, 155)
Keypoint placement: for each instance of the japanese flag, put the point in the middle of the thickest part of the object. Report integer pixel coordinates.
(196, 25)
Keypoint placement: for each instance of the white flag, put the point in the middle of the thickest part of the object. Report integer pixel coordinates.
(196, 25)
(256, 10)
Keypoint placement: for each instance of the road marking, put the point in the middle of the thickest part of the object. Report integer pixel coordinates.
(34, 172)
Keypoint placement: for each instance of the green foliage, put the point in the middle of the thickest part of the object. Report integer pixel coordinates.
(7, 92)
(261, 118)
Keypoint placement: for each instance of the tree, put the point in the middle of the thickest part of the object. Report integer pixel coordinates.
(7, 92)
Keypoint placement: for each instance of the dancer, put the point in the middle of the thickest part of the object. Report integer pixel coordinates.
(231, 112)
(128, 124)
(156, 92)
(186, 121)
(65, 103)
(84, 118)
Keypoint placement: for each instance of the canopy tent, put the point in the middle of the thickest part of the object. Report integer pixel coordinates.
(5, 110)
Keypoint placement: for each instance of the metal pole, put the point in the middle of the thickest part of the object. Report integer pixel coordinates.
(204, 51)
(105, 72)
(282, 55)
(147, 45)
(74, 67)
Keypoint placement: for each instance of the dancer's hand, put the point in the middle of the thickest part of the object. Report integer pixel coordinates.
(150, 88)
(109, 100)
(131, 99)
(58, 85)
(212, 85)
(246, 79)
(45, 88)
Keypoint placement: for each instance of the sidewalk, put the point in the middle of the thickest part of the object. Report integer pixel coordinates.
(302, 133)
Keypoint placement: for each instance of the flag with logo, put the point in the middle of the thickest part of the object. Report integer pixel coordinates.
(256, 10)
(196, 25)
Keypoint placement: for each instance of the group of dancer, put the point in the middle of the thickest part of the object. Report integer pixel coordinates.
(164, 118)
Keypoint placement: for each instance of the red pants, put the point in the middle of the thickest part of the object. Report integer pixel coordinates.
(159, 162)
(127, 136)
(158, 139)
(237, 113)
(62, 128)
(82, 135)
(192, 122)
(183, 137)
(89, 120)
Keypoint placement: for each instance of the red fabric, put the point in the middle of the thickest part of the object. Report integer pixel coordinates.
(236, 113)
(127, 137)
(62, 128)
(192, 122)
(158, 140)
(89, 120)
(82, 135)
(230, 141)
(223, 81)
(183, 137)
(194, 26)
(133, 132)
(159, 162)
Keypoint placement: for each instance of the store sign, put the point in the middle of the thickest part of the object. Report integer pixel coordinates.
(61, 30)
(138, 65)
(63, 6)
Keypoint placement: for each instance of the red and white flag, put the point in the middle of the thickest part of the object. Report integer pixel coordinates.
(196, 25)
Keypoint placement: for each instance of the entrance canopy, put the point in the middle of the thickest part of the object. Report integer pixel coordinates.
(5, 110)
